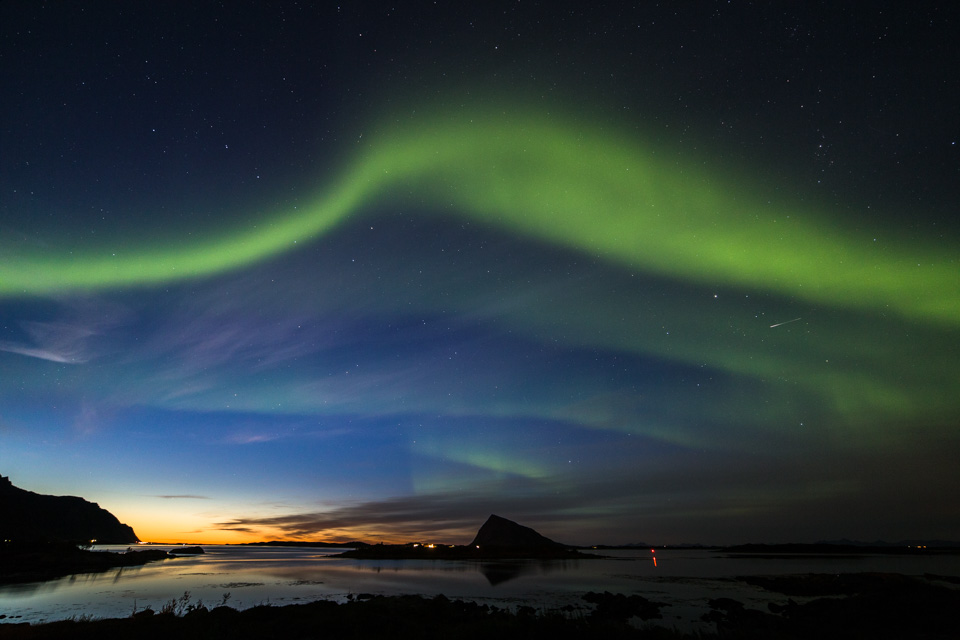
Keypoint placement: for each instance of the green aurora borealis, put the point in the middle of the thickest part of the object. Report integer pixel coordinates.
(604, 195)
(595, 193)
(384, 300)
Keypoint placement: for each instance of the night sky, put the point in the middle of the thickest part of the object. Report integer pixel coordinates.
(669, 272)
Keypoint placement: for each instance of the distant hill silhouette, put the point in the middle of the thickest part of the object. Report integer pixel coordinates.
(26, 516)
(932, 543)
(497, 539)
(499, 532)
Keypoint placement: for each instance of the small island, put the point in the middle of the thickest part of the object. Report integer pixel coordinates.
(498, 539)
(184, 550)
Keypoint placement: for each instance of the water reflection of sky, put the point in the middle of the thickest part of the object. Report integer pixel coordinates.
(252, 576)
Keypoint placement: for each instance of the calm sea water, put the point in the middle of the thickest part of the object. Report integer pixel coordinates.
(248, 576)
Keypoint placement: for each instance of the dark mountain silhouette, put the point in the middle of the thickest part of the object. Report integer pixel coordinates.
(26, 516)
(501, 533)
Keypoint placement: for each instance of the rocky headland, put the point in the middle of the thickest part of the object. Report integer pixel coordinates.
(43, 537)
(34, 517)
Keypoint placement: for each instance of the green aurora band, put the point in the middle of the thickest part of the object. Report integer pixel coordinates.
(585, 189)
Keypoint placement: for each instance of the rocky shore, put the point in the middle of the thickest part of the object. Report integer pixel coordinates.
(35, 562)
(875, 606)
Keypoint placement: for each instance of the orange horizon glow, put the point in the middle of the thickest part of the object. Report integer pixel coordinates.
(184, 531)
(171, 523)
(207, 522)
(213, 538)
(169, 533)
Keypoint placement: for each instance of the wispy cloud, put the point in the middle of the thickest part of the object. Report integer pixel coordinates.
(184, 496)
(441, 516)
(252, 438)
(237, 528)
(54, 341)
(69, 340)
(295, 430)
(214, 332)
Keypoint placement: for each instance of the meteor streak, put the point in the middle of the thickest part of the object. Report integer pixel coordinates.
(780, 324)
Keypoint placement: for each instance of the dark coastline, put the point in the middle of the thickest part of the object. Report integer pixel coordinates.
(869, 605)
(833, 550)
(461, 552)
(301, 543)
(33, 563)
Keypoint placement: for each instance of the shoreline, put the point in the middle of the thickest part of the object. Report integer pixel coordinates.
(875, 605)
(461, 552)
(36, 563)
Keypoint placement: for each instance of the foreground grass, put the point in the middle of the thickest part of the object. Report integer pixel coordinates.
(377, 617)
(874, 606)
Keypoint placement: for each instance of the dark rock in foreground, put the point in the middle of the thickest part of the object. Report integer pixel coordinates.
(901, 607)
(33, 517)
(616, 606)
(396, 617)
(861, 605)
